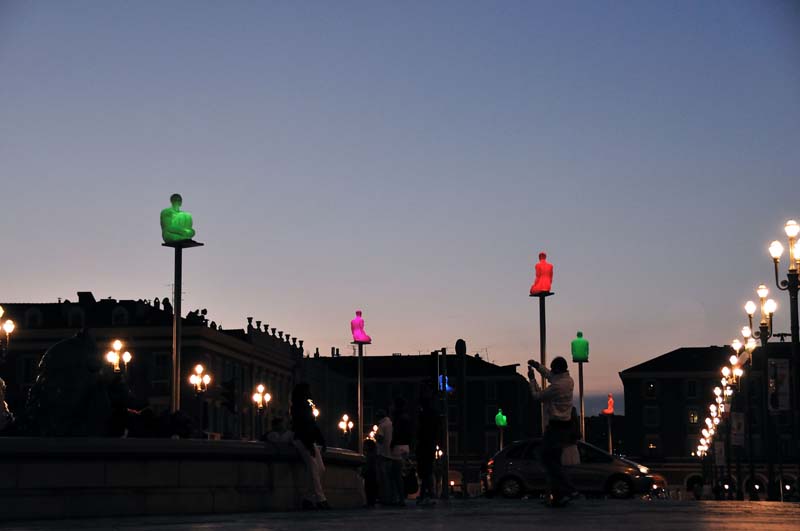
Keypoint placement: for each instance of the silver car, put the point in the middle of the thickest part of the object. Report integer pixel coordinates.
(516, 470)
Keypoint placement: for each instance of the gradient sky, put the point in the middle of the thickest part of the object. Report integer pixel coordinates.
(409, 159)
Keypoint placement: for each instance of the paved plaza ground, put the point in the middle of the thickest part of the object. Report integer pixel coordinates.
(472, 515)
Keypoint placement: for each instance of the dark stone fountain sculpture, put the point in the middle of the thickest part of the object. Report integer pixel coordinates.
(76, 394)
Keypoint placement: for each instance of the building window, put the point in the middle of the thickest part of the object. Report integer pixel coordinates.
(650, 389)
(691, 389)
(162, 369)
(694, 417)
(453, 442)
(119, 316)
(651, 415)
(491, 391)
(33, 318)
(652, 446)
(491, 412)
(76, 318)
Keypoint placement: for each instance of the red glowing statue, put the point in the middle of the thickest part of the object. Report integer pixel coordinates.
(357, 327)
(544, 276)
(610, 409)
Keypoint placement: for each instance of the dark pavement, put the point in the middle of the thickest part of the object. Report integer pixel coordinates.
(473, 515)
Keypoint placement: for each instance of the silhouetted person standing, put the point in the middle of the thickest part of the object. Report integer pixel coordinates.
(427, 426)
(557, 399)
(400, 446)
(306, 438)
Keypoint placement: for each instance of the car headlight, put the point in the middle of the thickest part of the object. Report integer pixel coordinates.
(644, 470)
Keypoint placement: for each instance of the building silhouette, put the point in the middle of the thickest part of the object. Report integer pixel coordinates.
(237, 359)
(667, 400)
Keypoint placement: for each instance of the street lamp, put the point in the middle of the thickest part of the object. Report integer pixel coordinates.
(314, 410)
(345, 424)
(114, 357)
(768, 309)
(792, 285)
(261, 398)
(199, 380)
(8, 328)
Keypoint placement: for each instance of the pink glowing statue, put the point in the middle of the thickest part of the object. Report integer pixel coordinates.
(544, 276)
(610, 409)
(357, 327)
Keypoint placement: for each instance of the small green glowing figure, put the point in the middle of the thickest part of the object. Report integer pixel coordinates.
(500, 419)
(176, 225)
(580, 349)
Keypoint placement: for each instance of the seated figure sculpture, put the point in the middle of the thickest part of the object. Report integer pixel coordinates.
(176, 225)
(544, 276)
(610, 409)
(357, 327)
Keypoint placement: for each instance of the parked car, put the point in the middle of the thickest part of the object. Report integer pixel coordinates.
(516, 470)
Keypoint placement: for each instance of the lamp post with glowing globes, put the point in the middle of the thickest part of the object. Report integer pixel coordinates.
(791, 285)
(8, 328)
(261, 399)
(768, 308)
(200, 380)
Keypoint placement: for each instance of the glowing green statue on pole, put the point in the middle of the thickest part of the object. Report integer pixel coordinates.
(502, 423)
(176, 225)
(177, 232)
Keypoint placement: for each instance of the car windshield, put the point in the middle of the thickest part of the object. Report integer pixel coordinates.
(590, 454)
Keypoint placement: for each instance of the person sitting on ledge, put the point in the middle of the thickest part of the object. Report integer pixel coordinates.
(176, 225)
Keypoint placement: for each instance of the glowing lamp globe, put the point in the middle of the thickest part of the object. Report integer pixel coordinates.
(126, 357)
(112, 357)
(792, 228)
(751, 344)
(206, 379)
(775, 250)
(736, 345)
(260, 389)
(762, 291)
(770, 306)
(750, 307)
(8, 326)
(580, 349)
(733, 360)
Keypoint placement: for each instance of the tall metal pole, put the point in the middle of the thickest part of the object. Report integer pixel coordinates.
(767, 420)
(542, 350)
(175, 403)
(793, 288)
(361, 398)
(580, 393)
(446, 475)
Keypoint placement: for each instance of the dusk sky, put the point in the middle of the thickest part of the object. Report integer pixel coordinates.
(409, 159)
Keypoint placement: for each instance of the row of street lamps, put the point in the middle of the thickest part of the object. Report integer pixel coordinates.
(732, 374)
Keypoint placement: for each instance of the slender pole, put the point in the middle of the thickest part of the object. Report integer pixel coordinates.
(176, 331)
(501, 437)
(753, 495)
(446, 480)
(542, 350)
(580, 392)
(794, 287)
(767, 420)
(361, 398)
